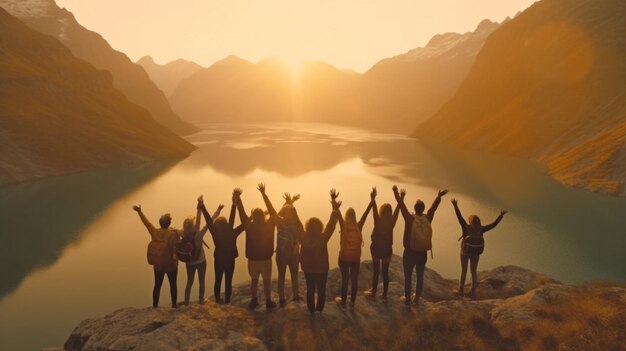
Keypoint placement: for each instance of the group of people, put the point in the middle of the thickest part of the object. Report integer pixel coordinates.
(304, 245)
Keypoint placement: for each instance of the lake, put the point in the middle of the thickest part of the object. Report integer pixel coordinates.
(73, 248)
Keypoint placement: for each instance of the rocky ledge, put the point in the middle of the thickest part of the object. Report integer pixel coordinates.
(515, 309)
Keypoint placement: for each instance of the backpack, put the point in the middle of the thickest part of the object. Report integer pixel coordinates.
(350, 245)
(421, 234)
(187, 251)
(286, 245)
(159, 251)
(473, 245)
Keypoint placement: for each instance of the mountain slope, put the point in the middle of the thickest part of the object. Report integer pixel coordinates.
(58, 114)
(411, 87)
(391, 95)
(167, 76)
(46, 17)
(548, 85)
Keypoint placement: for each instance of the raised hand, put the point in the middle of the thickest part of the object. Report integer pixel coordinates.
(442, 193)
(287, 198)
(373, 193)
(336, 204)
(137, 208)
(454, 201)
(333, 194)
(295, 198)
(237, 192)
(402, 193)
(220, 207)
(200, 199)
(261, 188)
(503, 212)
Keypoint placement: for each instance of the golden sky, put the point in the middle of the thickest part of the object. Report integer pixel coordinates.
(351, 34)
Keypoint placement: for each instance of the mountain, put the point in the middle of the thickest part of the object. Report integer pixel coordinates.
(411, 87)
(516, 309)
(59, 114)
(391, 95)
(167, 76)
(548, 85)
(46, 17)
(236, 90)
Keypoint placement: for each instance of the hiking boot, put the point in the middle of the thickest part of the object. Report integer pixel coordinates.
(460, 293)
(406, 301)
(385, 296)
(219, 301)
(282, 302)
(175, 305)
(351, 304)
(340, 302)
(415, 300)
(202, 301)
(186, 303)
(253, 304)
(472, 294)
(269, 304)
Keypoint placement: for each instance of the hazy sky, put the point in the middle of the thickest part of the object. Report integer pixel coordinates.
(347, 33)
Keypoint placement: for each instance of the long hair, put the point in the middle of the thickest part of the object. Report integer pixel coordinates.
(350, 217)
(188, 225)
(474, 223)
(385, 214)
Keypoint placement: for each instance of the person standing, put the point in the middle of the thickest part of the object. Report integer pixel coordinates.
(351, 242)
(472, 245)
(314, 258)
(417, 241)
(259, 250)
(162, 255)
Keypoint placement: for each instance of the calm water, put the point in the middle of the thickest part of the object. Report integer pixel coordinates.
(72, 248)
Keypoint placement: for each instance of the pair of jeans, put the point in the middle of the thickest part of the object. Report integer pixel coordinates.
(379, 263)
(414, 260)
(191, 272)
(473, 261)
(293, 263)
(223, 268)
(158, 282)
(315, 283)
(349, 272)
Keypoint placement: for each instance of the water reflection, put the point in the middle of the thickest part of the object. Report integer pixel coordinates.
(39, 219)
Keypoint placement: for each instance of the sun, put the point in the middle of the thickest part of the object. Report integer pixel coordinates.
(294, 64)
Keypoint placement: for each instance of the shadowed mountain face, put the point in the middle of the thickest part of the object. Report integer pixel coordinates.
(549, 85)
(167, 76)
(58, 114)
(46, 17)
(391, 95)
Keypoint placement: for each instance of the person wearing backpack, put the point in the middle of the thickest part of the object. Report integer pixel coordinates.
(382, 244)
(162, 255)
(289, 228)
(417, 241)
(472, 245)
(224, 235)
(351, 241)
(259, 250)
(191, 251)
(314, 257)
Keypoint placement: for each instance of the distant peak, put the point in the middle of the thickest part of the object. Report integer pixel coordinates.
(486, 24)
(440, 38)
(28, 8)
(146, 60)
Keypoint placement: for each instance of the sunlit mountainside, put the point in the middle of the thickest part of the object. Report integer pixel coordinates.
(46, 17)
(167, 76)
(58, 114)
(548, 85)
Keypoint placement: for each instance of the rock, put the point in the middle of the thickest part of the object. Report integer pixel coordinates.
(515, 310)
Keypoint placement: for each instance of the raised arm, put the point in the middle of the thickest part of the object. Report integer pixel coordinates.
(145, 220)
(332, 222)
(198, 211)
(270, 208)
(243, 217)
(400, 199)
(218, 211)
(433, 208)
(374, 206)
(207, 217)
(333, 200)
(363, 217)
(233, 209)
(459, 216)
(488, 227)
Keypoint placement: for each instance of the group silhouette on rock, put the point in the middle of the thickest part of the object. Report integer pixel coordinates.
(295, 245)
